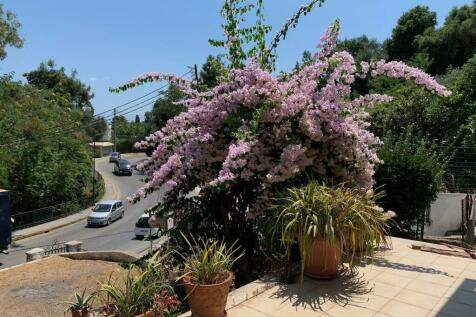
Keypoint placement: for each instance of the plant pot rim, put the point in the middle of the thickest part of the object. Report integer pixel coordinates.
(186, 280)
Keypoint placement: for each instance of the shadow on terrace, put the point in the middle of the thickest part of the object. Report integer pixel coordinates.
(349, 287)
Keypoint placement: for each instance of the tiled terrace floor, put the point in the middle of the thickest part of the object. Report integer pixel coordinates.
(401, 282)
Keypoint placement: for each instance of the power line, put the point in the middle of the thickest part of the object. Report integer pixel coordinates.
(74, 129)
(98, 118)
(138, 98)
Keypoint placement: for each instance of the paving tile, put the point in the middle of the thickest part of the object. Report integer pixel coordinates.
(438, 279)
(369, 274)
(461, 296)
(445, 270)
(464, 297)
(456, 309)
(266, 302)
(392, 279)
(416, 258)
(385, 290)
(429, 288)
(471, 266)
(372, 302)
(350, 310)
(453, 261)
(437, 314)
(398, 309)
(395, 283)
(245, 311)
(465, 284)
(409, 272)
(417, 299)
(468, 274)
(290, 311)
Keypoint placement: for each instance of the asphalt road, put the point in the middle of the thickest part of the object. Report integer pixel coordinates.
(117, 236)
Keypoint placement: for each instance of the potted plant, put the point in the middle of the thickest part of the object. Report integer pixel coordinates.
(326, 221)
(80, 306)
(208, 277)
(135, 294)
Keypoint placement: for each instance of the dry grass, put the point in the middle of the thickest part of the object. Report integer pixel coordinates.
(35, 289)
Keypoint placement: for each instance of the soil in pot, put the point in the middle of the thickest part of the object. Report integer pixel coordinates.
(208, 300)
(80, 313)
(324, 259)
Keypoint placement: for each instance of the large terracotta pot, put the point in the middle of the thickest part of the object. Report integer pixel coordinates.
(324, 259)
(80, 313)
(208, 300)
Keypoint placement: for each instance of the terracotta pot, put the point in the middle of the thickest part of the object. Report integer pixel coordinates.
(208, 300)
(149, 313)
(80, 313)
(324, 259)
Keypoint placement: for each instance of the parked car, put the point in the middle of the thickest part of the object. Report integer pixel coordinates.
(105, 212)
(123, 167)
(142, 228)
(115, 157)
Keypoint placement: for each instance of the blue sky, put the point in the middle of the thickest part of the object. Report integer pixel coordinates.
(112, 41)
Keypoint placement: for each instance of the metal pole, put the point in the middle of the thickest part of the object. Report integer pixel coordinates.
(94, 171)
(114, 129)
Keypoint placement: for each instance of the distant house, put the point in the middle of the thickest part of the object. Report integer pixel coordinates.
(103, 148)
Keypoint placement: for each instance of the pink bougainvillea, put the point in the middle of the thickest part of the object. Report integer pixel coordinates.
(260, 127)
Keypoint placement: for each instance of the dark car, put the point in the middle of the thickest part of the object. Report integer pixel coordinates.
(123, 167)
(115, 157)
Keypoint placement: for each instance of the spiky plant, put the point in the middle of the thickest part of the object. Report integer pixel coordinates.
(134, 293)
(81, 301)
(340, 214)
(209, 261)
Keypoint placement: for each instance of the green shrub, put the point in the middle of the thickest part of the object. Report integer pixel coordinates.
(411, 176)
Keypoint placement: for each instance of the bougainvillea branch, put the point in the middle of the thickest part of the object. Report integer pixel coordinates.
(184, 84)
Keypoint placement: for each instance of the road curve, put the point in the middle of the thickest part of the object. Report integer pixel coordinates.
(117, 236)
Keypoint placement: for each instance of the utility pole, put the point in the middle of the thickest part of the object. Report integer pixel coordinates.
(94, 171)
(114, 129)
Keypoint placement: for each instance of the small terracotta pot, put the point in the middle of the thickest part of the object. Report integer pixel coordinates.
(80, 313)
(324, 259)
(149, 313)
(208, 300)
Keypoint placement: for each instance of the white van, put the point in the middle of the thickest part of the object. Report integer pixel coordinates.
(142, 228)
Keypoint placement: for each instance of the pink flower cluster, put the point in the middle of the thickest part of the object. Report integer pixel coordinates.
(401, 70)
(305, 122)
(235, 161)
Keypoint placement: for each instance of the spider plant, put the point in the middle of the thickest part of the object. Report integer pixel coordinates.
(81, 301)
(210, 261)
(340, 214)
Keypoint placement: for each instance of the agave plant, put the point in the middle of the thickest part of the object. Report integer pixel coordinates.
(339, 214)
(81, 301)
(210, 261)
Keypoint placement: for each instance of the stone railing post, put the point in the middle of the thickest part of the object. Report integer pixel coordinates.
(73, 246)
(34, 254)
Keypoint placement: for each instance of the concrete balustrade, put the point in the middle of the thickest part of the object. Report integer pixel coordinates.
(73, 246)
(35, 254)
